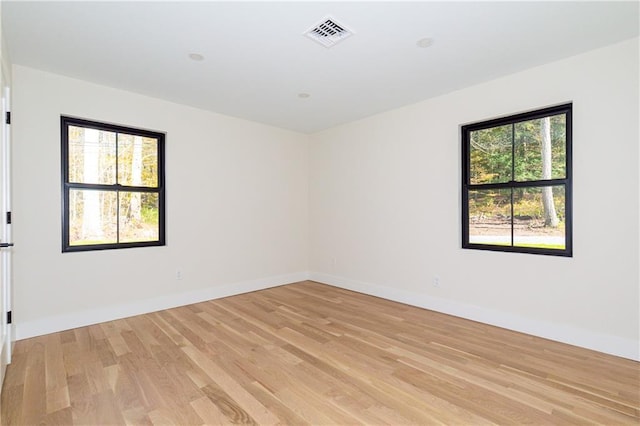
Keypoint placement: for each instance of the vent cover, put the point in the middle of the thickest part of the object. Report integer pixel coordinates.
(328, 32)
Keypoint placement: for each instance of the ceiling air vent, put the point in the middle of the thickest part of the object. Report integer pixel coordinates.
(328, 32)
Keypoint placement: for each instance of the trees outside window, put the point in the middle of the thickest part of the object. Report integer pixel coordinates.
(113, 186)
(516, 183)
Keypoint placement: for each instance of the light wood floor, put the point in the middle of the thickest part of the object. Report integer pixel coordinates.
(310, 353)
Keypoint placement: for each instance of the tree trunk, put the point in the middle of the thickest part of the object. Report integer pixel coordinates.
(91, 214)
(550, 215)
(136, 180)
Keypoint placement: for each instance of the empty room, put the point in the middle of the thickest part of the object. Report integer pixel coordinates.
(321, 213)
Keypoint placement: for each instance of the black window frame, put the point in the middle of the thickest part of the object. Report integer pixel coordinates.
(65, 122)
(567, 182)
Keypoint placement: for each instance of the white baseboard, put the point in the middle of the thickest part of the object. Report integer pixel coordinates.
(108, 313)
(614, 345)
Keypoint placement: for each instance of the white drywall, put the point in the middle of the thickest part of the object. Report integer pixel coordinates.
(385, 207)
(236, 207)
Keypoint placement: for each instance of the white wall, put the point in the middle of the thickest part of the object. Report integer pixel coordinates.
(237, 208)
(373, 206)
(385, 207)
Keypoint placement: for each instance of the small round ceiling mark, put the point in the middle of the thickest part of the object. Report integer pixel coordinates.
(196, 57)
(424, 42)
(304, 95)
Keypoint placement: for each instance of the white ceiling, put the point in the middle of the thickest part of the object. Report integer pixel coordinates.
(257, 61)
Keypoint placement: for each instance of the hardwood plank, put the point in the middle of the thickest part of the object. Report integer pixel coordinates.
(308, 353)
(229, 409)
(136, 416)
(11, 404)
(107, 410)
(83, 408)
(34, 407)
(209, 412)
(231, 387)
(60, 417)
(57, 393)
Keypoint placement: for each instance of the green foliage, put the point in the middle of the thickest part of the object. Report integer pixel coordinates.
(513, 152)
(150, 215)
(527, 202)
(523, 151)
(491, 155)
(103, 157)
(487, 203)
(121, 152)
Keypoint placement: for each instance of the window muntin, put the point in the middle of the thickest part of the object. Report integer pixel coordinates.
(516, 183)
(113, 186)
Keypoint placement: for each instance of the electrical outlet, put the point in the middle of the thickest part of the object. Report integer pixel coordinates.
(178, 274)
(436, 281)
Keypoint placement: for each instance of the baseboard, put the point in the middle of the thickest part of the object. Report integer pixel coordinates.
(108, 313)
(613, 345)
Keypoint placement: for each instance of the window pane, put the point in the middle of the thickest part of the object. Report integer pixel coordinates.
(137, 161)
(490, 155)
(540, 148)
(490, 217)
(538, 217)
(92, 217)
(139, 217)
(92, 156)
